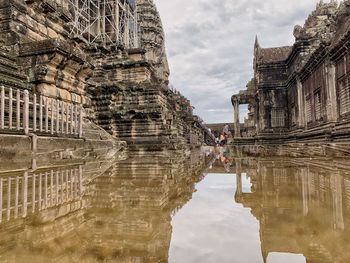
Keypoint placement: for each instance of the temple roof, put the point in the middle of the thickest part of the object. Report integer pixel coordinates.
(277, 54)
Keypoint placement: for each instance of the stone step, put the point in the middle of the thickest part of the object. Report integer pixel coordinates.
(11, 81)
(10, 74)
(7, 61)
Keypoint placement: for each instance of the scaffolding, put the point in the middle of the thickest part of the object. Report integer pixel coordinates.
(106, 22)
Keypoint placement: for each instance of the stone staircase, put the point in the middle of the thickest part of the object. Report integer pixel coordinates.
(10, 73)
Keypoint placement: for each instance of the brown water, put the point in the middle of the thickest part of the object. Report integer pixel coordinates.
(177, 208)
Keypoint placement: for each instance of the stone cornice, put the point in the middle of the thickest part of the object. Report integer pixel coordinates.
(52, 46)
(314, 61)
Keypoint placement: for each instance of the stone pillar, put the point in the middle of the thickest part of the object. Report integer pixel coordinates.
(305, 190)
(237, 126)
(80, 180)
(16, 197)
(301, 105)
(51, 189)
(33, 192)
(332, 109)
(337, 196)
(25, 194)
(256, 117)
(56, 177)
(1, 191)
(239, 189)
(261, 118)
(8, 209)
(62, 187)
(40, 192)
(46, 203)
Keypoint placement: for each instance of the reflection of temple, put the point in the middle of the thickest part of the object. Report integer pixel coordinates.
(40, 208)
(302, 208)
(132, 204)
(24, 193)
(119, 212)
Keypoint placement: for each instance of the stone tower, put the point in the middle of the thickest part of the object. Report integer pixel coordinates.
(153, 38)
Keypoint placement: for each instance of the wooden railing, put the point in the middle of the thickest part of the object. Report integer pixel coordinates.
(22, 111)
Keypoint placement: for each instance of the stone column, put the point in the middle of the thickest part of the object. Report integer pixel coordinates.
(25, 194)
(237, 126)
(337, 196)
(16, 197)
(46, 203)
(256, 117)
(8, 209)
(332, 109)
(1, 191)
(239, 189)
(40, 192)
(261, 118)
(305, 189)
(33, 193)
(301, 105)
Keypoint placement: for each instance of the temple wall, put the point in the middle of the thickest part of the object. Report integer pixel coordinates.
(343, 86)
(36, 33)
(308, 83)
(315, 92)
(131, 97)
(273, 114)
(123, 85)
(293, 105)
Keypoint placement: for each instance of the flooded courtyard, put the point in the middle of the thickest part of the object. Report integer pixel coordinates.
(195, 207)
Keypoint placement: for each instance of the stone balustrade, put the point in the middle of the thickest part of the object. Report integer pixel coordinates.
(22, 111)
(24, 193)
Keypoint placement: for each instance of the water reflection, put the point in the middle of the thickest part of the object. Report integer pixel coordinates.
(303, 206)
(96, 211)
(133, 210)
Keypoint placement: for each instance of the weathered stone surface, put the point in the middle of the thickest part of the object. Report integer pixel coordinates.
(123, 87)
(153, 38)
(300, 93)
(131, 97)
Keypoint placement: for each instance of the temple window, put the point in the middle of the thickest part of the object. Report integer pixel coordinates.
(293, 117)
(308, 110)
(318, 111)
(278, 117)
(344, 96)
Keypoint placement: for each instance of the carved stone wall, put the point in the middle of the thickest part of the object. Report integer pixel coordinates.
(123, 90)
(153, 38)
(131, 97)
(300, 93)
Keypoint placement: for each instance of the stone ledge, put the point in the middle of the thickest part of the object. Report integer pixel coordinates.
(51, 46)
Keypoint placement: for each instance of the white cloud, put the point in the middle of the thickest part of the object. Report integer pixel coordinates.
(210, 45)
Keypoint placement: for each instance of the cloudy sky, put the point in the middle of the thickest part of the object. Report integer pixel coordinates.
(210, 45)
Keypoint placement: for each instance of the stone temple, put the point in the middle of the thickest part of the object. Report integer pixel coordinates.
(93, 69)
(300, 94)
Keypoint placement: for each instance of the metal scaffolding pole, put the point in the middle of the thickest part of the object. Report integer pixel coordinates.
(106, 22)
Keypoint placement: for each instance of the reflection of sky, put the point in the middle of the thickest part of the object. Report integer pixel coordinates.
(284, 257)
(212, 227)
(246, 184)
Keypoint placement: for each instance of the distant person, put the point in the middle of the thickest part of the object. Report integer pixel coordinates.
(223, 139)
(225, 135)
(226, 130)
